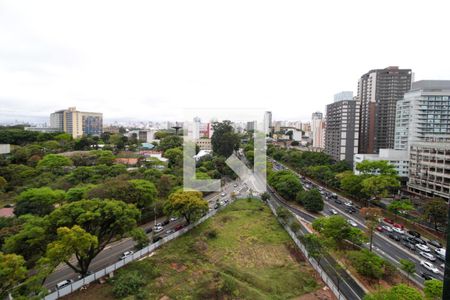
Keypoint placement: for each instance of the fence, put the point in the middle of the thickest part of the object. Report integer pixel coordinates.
(325, 277)
(137, 255)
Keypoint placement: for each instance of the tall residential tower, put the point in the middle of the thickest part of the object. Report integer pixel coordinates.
(379, 90)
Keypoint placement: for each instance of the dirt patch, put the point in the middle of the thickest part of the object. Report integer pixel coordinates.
(323, 294)
(177, 267)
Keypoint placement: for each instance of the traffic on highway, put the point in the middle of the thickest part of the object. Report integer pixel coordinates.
(391, 240)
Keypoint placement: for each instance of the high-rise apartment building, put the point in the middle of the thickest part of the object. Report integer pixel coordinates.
(342, 127)
(423, 131)
(77, 123)
(267, 122)
(318, 130)
(378, 91)
(423, 115)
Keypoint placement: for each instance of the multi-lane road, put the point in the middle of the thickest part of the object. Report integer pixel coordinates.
(113, 251)
(382, 245)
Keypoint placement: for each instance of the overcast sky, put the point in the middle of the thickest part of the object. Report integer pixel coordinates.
(148, 60)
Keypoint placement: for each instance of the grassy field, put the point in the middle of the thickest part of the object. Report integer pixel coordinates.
(241, 253)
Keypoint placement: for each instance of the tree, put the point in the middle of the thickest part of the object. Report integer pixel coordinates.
(54, 163)
(71, 242)
(398, 292)
(12, 271)
(175, 157)
(3, 184)
(187, 204)
(312, 200)
(224, 140)
(433, 289)
(352, 184)
(169, 142)
(371, 215)
(106, 220)
(408, 266)
(435, 211)
(336, 230)
(399, 206)
(38, 201)
(286, 183)
(314, 245)
(367, 263)
(78, 193)
(379, 185)
(372, 167)
(140, 192)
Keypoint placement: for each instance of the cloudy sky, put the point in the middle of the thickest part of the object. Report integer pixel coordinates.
(149, 60)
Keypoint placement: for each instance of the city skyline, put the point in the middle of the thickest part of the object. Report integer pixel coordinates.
(159, 68)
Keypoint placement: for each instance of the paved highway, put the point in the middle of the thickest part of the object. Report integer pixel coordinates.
(113, 251)
(388, 248)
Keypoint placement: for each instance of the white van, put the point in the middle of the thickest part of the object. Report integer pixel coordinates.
(63, 283)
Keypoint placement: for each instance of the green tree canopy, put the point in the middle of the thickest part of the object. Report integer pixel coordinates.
(286, 183)
(381, 167)
(224, 140)
(433, 289)
(336, 230)
(54, 163)
(311, 200)
(38, 201)
(169, 142)
(106, 220)
(436, 211)
(12, 272)
(188, 204)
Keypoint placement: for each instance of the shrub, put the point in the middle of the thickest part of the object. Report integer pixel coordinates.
(127, 283)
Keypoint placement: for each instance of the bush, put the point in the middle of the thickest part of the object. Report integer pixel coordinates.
(127, 283)
(312, 200)
(368, 264)
(295, 226)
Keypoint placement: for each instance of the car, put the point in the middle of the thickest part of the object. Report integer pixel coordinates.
(389, 221)
(336, 200)
(63, 283)
(352, 223)
(169, 232)
(235, 185)
(424, 248)
(442, 266)
(410, 246)
(420, 241)
(348, 210)
(429, 266)
(440, 253)
(226, 200)
(223, 194)
(427, 276)
(427, 256)
(148, 230)
(334, 196)
(126, 254)
(172, 219)
(397, 225)
(333, 211)
(158, 225)
(222, 203)
(379, 229)
(398, 230)
(88, 273)
(394, 237)
(387, 228)
(217, 205)
(435, 243)
(348, 204)
(156, 238)
(165, 222)
(411, 240)
(158, 228)
(414, 233)
(178, 227)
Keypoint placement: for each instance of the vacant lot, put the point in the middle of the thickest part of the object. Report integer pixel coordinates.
(241, 253)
